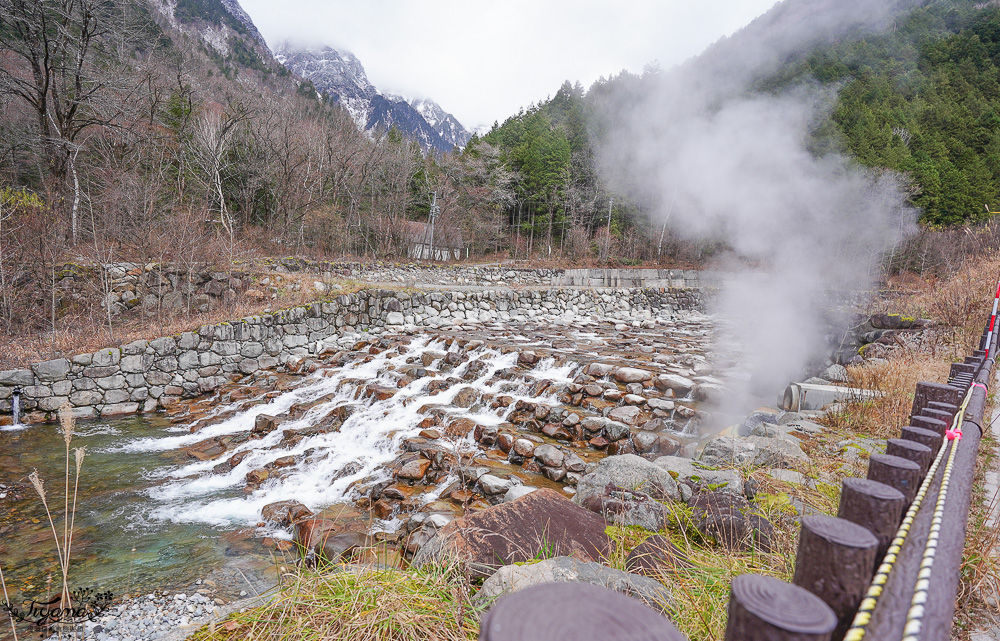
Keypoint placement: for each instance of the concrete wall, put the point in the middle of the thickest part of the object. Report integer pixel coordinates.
(143, 376)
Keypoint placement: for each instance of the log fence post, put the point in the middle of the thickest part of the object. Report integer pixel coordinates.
(763, 608)
(874, 506)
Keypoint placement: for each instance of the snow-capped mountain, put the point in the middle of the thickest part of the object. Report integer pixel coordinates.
(447, 125)
(221, 25)
(234, 8)
(342, 76)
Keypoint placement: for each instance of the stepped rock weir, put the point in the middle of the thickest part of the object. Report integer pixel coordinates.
(147, 375)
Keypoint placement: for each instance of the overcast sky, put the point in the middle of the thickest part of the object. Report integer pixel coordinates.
(482, 60)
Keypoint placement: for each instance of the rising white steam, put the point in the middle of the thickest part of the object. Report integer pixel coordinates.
(721, 160)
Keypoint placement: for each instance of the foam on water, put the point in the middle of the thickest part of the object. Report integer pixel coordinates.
(327, 464)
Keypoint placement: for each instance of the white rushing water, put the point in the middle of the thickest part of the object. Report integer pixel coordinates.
(327, 464)
(15, 404)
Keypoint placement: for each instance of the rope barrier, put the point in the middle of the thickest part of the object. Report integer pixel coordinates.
(914, 617)
(914, 620)
(859, 627)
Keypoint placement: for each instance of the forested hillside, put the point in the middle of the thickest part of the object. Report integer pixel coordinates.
(922, 99)
(159, 132)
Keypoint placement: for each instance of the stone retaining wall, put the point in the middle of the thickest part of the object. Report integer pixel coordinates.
(146, 375)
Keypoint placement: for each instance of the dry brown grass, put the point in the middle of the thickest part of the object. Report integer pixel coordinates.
(896, 379)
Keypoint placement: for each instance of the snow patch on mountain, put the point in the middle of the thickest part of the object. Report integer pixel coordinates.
(341, 76)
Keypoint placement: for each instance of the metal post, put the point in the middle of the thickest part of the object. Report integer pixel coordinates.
(434, 213)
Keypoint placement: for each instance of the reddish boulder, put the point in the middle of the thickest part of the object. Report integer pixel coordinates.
(310, 532)
(285, 513)
(414, 470)
(543, 522)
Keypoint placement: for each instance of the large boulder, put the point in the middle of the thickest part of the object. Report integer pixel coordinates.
(697, 475)
(630, 472)
(541, 523)
(758, 451)
(728, 519)
(566, 569)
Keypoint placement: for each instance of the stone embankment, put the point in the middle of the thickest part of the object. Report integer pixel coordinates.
(146, 375)
(153, 288)
(484, 275)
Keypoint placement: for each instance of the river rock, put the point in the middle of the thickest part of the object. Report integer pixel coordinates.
(679, 384)
(338, 547)
(631, 375)
(517, 491)
(310, 532)
(414, 470)
(524, 447)
(265, 424)
(698, 475)
(737, 451)
(565, 569)
(709, 393)
(597, 370)
(285, 513)
(645, 442)
(660, 404)
(549, 455)
(542, 522)
(627, 414)
(527, 357)
(491, 484)
(465, 397)
(629, 472)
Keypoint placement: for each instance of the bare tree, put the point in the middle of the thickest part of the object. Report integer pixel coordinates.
(53, 65)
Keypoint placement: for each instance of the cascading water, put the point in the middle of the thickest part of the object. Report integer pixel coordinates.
(323, 467)
(15, 403)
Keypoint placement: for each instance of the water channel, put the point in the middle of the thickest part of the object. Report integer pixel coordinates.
(157, 510)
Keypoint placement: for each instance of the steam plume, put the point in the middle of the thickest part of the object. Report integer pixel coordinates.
(721, 161)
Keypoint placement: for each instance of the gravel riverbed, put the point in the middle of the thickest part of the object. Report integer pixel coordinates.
(161, 616)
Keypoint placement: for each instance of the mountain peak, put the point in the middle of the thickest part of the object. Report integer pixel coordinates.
(341, 75)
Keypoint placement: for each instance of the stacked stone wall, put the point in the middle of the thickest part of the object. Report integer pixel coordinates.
(143, 376)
